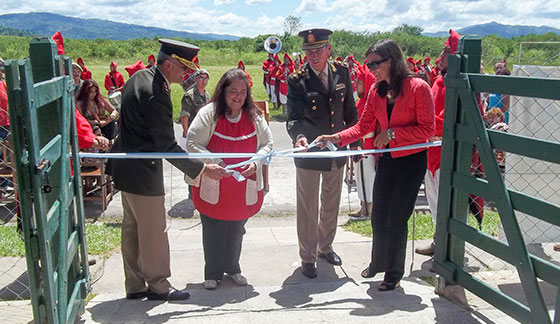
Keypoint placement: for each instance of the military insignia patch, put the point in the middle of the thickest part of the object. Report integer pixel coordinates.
(340, 86)
(311, 38)
(165, 87)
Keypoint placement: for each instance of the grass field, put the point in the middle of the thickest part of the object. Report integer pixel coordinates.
(425, 228)
(259, 92)
(101, 238)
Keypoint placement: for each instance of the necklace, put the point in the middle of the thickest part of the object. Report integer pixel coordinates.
(390, 95)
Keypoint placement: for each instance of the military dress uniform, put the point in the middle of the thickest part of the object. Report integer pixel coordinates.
(314, 110)
(146, 126)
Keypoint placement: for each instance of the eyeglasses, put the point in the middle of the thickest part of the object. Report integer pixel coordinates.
(375, 65)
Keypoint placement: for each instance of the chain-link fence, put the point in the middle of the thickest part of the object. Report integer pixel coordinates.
(531, 117)
(15, 305)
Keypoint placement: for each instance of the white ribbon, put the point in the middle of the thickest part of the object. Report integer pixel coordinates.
(296, 152)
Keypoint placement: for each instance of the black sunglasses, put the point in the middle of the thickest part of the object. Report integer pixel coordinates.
(375, 65)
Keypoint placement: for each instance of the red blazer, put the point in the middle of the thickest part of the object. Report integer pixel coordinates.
(84, 130)
(412, 118)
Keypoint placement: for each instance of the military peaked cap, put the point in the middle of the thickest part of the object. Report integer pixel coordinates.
(314, 38)
(182, 51)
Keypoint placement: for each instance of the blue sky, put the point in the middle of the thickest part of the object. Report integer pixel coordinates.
(253, 17)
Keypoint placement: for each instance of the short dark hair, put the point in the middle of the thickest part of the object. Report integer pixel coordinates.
(219, 99)
(162, 57)
(388, 49)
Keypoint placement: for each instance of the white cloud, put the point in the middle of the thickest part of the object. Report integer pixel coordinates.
(312, 6)
(256, 2)
(355, 15)
(223, 2)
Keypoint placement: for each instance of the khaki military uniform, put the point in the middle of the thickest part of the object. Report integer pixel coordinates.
(314, 110)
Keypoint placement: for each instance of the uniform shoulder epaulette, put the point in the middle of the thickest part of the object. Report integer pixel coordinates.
(337, 64)
(301, 72)
(343, 64)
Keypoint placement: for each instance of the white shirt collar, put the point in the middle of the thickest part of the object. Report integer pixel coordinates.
(323, 70)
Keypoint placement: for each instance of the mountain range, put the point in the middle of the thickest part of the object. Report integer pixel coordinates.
(46, 24)
(505, 31)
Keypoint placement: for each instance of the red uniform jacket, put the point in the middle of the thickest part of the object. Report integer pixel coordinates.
(119, 81)
(4, 116)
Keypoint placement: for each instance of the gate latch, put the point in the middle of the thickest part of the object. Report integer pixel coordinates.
(44, 167)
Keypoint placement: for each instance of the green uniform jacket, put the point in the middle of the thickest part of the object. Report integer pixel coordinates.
(147, 126)
(314, 110)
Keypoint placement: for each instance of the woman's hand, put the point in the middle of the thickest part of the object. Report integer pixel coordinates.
(100, 142)
(382, 139)
(114, 115)
(323, 139)
(248, 169)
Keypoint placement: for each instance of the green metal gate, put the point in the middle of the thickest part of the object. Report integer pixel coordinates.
(41, 100)
(463, 128)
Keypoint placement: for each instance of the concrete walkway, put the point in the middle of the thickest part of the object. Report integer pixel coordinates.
(277, 291)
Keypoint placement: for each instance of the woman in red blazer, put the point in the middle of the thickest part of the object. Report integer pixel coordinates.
(404, 107)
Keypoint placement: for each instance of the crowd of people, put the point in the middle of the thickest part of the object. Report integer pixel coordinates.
(384, 102)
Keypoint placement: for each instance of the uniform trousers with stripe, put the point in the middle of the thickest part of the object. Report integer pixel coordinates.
(144, 244)
(316, 228)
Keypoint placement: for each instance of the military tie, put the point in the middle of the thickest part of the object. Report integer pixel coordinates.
(325, 79)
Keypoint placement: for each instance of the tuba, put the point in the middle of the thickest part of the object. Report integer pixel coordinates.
(272, 45)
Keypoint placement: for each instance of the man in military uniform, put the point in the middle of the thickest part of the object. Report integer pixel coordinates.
(194, 99)
(320, 101)
(147, 126)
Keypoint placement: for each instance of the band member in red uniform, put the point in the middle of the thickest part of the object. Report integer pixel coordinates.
(241, 66)
(133, 68)
(364, 165)
(354, 68)
(287, 68)
(431, 180)
(86, 74)
(266, 67)
(274, 92)
(114, 80)
(411, 64)
(151, 61)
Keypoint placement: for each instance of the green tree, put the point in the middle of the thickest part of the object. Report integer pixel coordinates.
(409, 29)
(292, 25)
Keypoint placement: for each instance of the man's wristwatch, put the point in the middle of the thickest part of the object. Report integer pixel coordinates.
(390, 134)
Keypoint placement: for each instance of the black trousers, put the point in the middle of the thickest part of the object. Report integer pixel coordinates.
(395, 188)
(221, 241)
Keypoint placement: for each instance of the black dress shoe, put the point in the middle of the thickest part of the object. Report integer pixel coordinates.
(331, 258)
(137, 295)
(173, 294)
(309, 270)
(388, 286)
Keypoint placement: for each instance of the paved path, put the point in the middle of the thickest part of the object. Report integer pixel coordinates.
(277, 291)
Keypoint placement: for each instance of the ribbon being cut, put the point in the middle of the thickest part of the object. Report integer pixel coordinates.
(290, 153)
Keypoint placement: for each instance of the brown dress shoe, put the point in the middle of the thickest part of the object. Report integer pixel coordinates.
(427, 250)
(557, 247)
